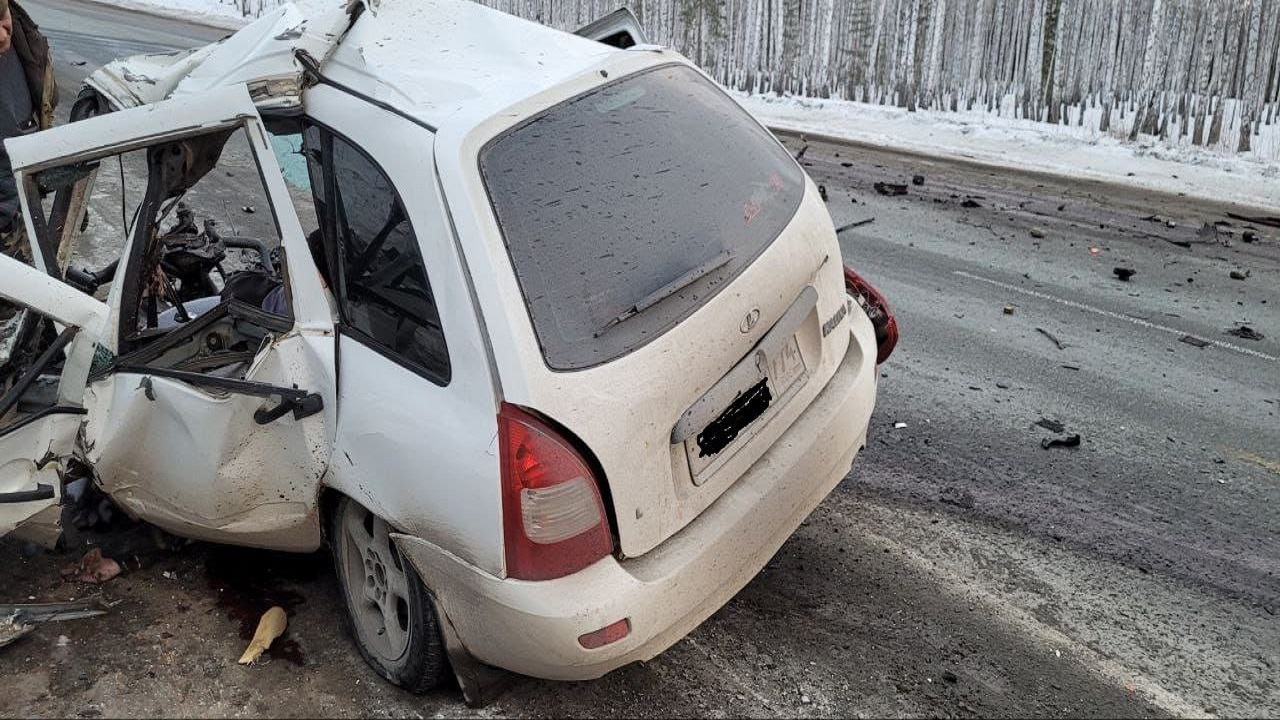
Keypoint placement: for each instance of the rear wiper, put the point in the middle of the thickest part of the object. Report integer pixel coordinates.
(668, 290)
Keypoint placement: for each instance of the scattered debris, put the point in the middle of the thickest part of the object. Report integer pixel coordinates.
(270, 627)
(1244, 332)
(1239, 274)
(917, 179)
(970, 203)
(1124, 273)
(1208, 233)
(1095, 250)
(1037, 233)
(822, 192)
(1002, 386)
(891, 189)
(1195, 341)
(1052, 337)
(899, 425)
(1008, 309)
(1180, 243)
(94, 568)
(846, 164)
(12, 629)
(1249, 236)
(1072, 367)
(249, 209)
(1062, 207)
(79, 63)
(949, 677)
(854, 224)
(1051, 425)
(800, 153)
(1069, 441)
(1257, 219)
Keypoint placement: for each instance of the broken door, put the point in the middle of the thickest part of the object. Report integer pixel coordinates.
(208, 407)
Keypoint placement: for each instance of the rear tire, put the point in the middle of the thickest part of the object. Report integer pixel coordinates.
(389, 610)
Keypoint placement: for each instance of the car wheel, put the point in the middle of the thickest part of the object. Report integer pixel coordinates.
(390, 612)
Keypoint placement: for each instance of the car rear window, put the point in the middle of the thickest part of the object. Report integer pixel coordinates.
(627, 208)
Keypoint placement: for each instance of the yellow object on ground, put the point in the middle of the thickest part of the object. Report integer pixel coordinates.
(270, 627)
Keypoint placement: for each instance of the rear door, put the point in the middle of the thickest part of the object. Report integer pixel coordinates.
(50, 330)
(208, 409)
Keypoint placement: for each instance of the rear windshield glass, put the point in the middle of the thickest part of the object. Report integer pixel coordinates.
(627, 208)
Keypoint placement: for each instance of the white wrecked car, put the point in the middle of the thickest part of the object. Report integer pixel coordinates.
(548, 339)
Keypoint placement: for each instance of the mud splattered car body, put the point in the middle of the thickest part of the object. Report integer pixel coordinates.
(562, 348)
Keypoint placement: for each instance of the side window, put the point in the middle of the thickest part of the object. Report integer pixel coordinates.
(383, 290)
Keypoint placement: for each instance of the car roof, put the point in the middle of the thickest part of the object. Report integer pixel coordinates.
(428, 59)
(432, 59)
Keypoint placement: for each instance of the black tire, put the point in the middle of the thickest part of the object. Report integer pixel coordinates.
(87, 105)
(419, 663)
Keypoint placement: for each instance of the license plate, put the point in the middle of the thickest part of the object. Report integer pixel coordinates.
(747, 413)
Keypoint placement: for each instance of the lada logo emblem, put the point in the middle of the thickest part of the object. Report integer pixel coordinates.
(749, 322)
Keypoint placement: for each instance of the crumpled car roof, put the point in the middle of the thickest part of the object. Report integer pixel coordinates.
(426, 58)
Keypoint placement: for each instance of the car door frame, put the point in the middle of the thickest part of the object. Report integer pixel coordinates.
(46, 438)
(310, 337)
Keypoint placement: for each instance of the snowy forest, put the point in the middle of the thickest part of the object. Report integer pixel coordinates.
(1192, 72)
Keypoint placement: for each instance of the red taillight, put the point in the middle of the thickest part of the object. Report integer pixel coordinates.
(554, 522)
(877, 308)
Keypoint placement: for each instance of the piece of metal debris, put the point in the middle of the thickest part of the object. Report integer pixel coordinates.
(1269, 220)
(1069, 441)
(800, 153)
(1239, 274)
(270, 626)
(1195, 341)
(1053, 338)
(1249, 236)
(1008, 309)
(1244, 332)
(917, 180)
(854, 224)
(1037, 233)
(12, 629)
(16, 621)
(55, 612)
(970, 203)
(899, 425)
(1124, 273)
(890, 189)
(1051, 425)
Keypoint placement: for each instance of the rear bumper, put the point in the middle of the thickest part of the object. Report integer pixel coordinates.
(533, 627)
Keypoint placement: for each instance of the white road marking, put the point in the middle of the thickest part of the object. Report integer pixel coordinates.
(1115, 315)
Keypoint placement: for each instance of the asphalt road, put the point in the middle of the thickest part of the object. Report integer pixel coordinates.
(961, 569)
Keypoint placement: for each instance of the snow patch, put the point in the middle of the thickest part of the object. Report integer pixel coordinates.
(1068, 151)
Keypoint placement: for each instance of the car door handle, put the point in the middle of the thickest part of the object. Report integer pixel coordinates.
(42, 492)
(300, 405)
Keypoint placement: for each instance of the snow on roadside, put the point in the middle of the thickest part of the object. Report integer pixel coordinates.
(1027, 145)
(1069, 151)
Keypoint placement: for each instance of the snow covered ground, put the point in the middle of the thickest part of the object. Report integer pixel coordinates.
(1070, 151)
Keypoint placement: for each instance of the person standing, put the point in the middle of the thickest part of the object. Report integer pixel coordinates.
(28, 96)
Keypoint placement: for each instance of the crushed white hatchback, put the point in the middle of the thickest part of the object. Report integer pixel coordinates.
(547, 337)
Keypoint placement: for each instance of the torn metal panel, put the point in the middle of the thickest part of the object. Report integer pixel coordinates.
(260, 55)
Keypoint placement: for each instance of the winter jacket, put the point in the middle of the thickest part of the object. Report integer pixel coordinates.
(33, 51)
